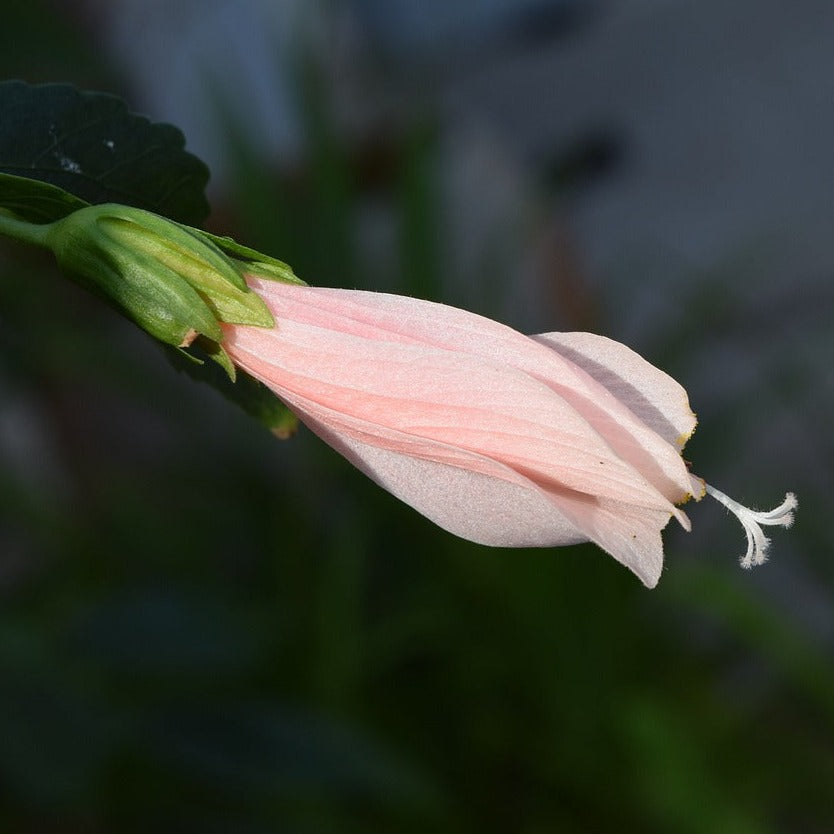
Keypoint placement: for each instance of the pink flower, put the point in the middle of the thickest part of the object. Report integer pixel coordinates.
(497, 437)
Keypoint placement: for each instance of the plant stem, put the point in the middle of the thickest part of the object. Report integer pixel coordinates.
(35, 233)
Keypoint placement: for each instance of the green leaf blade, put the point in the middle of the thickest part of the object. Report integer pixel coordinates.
(91, 146)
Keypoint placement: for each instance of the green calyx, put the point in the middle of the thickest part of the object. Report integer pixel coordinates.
(178, 283)
(175, 282)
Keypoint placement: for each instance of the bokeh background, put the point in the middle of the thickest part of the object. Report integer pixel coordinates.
(205, 629)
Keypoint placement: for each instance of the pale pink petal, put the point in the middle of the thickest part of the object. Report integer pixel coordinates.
(427, 395)
(491, 504)
(657, 399)
(630, 534)
(395, 319)
(507, 511)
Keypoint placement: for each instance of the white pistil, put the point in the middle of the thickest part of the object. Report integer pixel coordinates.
(752, 521)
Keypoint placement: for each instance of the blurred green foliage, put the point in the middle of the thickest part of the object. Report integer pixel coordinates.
(203, 629)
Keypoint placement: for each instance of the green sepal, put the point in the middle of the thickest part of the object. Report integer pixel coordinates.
(212, 350)
(254, 262)
(207, 349)
(251, 395)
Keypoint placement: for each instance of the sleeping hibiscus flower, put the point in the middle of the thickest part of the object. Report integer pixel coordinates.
(497, 437)
(500, 438)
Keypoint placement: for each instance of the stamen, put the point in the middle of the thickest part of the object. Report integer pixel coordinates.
(753, 520)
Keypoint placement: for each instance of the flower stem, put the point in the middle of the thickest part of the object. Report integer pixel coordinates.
(35, 233)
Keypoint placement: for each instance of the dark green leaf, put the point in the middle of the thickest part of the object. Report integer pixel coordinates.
(89, 145)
